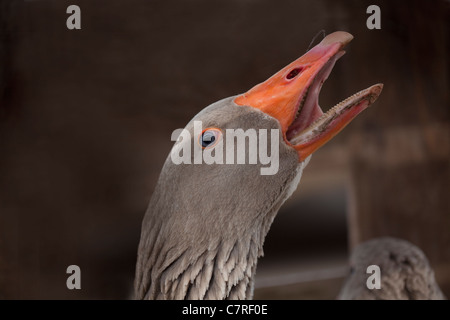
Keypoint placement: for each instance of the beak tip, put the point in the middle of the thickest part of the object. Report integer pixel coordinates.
(375, 92)
(339, 36)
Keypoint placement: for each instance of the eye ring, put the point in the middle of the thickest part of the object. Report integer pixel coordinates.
(209, 137)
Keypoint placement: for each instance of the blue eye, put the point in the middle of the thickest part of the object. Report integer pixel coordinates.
(209, 137)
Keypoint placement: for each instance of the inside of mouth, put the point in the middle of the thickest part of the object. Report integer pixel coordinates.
(308, 109)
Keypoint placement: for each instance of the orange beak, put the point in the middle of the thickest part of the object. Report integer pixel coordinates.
(291, 96)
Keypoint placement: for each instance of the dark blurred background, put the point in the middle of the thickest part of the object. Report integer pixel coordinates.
(86, 117)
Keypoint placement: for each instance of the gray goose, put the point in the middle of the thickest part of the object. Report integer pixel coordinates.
(405, 272)
(205, 224)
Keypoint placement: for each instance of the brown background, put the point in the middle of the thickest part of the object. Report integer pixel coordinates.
(86, 117)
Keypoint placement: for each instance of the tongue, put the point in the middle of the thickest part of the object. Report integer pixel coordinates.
(311, 110)
(309, 113)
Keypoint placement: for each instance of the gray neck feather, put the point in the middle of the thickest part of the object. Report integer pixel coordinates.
(217, 269)
(222, 271)
(207, 265)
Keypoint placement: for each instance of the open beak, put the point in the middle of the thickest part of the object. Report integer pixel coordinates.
(292, 97)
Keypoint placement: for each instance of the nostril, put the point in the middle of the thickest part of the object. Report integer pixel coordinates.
(293, 73)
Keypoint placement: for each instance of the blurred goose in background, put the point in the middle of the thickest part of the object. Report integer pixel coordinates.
(205, 225)
(404, 268)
